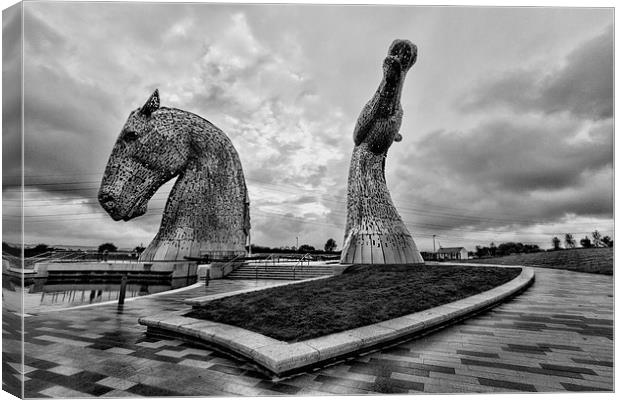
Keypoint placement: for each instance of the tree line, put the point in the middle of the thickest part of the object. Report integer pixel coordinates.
(329, 247)
(570, 242)
(505, 249)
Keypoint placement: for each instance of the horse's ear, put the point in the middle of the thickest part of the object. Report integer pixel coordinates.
(151, 104)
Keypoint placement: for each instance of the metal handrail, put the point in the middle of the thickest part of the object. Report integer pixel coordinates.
(269, 257)
(231, 261)
(49, 257)
(42, 255)
(300, 263)
(264, 262)
(62, 255)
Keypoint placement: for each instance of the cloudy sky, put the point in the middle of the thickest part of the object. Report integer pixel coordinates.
(507, 128)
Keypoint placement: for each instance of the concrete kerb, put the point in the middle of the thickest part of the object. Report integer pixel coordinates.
(281, 358)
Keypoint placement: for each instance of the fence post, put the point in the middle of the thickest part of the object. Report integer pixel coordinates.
(121, 296)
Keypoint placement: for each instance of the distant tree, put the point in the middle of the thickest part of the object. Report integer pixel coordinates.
(505, 249)
(36, 250)
(306, 248)
(330, 245)
(257, 249)
(569, 241)
(139, 249)
(482, 251)
(109, 247)
(585, 242)
(596, 239)
(261, 249)
(41, 248)
(607, 241)
(556, 243)
(508, 248)
(492, 249)
(531, 248)
(14, 251)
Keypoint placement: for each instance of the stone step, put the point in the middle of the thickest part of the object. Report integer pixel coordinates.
(277, 273)
(280, 271)
(272, 277)
(282, 274)
(286, 274)
(285, 270)
(287, 266)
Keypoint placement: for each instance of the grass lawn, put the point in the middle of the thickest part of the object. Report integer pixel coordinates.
(595, 260)
(361, 297)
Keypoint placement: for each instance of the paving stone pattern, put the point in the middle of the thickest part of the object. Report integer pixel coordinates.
(374, 231)
(557, 336)
(207, 212)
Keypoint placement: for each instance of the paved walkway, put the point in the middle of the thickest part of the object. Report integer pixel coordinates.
(556, 336)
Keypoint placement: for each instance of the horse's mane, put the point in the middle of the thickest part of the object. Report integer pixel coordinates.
(189, 114)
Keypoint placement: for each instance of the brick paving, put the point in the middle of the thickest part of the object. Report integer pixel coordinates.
(555, 337)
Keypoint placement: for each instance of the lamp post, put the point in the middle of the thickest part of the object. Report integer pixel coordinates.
(249, 244)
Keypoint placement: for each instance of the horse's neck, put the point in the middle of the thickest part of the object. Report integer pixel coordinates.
(368, 195)
(186, 197)
(207, 209)
(190, 185)
(386, 100)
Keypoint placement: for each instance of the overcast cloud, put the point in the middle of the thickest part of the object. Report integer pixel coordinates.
(508, 125)
(581, 84)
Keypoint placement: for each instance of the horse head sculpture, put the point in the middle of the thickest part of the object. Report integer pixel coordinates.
(207, 211)
(374, 231)
(380, 119)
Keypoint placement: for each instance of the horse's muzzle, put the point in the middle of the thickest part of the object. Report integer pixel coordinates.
(107, 201)
(110, 205)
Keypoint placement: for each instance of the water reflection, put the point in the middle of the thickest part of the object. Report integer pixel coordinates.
(41, 294)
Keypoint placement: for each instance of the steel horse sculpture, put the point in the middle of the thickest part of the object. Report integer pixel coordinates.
(207, 212)
(375, 232)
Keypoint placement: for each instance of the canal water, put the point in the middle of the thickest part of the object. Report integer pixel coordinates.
(41, 296)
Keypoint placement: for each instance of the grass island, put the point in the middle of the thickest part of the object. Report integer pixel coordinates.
(363, 295)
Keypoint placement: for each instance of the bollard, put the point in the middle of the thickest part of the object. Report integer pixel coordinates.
(121, 296)
(207, 276)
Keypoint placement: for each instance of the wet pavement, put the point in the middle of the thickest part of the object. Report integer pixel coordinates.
(557, 336)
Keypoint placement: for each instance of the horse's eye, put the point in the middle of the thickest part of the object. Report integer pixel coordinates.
(130, 136)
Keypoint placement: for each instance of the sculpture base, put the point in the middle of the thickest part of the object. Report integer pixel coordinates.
(372, 248)
(181, 250)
